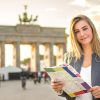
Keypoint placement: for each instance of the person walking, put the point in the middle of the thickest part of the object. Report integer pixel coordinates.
(23, 79)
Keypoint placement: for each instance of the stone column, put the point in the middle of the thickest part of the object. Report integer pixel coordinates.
(48, 54)
(60, 53)
(2, 54)
(51, 55)
(16, 54)
(35, 58)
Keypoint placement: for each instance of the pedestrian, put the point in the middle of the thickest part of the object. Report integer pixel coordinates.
(46, 77)
(35, 77)
(39, 77)
(24, 82)
(0, 79)
(84, 56)
(23, 79)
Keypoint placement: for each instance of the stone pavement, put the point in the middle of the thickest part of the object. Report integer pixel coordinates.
(12, 90)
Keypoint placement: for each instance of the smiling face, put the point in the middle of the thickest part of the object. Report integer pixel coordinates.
(83, 32)
(83, 36)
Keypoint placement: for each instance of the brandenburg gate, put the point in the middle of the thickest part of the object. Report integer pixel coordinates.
(33, 35)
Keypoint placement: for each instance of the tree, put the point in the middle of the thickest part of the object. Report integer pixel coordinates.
(26, 61)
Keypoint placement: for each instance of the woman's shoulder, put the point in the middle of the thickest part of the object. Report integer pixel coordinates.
(96, 57)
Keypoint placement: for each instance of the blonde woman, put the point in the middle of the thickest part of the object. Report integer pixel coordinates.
(84, 57)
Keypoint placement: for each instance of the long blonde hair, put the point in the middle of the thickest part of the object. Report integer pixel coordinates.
(76, 47)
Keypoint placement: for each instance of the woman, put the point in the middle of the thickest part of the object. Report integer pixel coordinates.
(84, 57)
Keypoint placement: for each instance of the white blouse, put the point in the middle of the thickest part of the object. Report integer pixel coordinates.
(86, 76)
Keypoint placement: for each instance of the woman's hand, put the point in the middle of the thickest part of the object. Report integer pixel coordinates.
(95, 91)
(57, 85)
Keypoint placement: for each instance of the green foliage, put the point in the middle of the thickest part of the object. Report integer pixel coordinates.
(25, 61)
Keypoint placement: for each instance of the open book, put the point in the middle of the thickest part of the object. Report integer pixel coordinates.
(74, 85)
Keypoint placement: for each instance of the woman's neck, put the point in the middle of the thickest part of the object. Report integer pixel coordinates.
(87, 50)
(87, 56)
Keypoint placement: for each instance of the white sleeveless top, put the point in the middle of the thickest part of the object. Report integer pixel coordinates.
(86, 76)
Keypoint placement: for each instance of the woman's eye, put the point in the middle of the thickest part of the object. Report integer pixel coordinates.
(85, 29)
(76, 32)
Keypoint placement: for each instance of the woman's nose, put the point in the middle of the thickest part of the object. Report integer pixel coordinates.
(81, 33)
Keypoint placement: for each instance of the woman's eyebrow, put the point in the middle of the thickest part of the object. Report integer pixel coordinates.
(85, 26)
(81, 28)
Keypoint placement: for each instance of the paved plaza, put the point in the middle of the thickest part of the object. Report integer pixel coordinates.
(12, 90)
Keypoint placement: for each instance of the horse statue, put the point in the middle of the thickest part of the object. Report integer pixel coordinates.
(25, 18)
(35, 19)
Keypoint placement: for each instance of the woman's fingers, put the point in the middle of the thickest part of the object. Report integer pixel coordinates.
(95, 91)
(57, 85)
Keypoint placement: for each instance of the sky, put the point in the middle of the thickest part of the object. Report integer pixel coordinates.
(51, 13)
